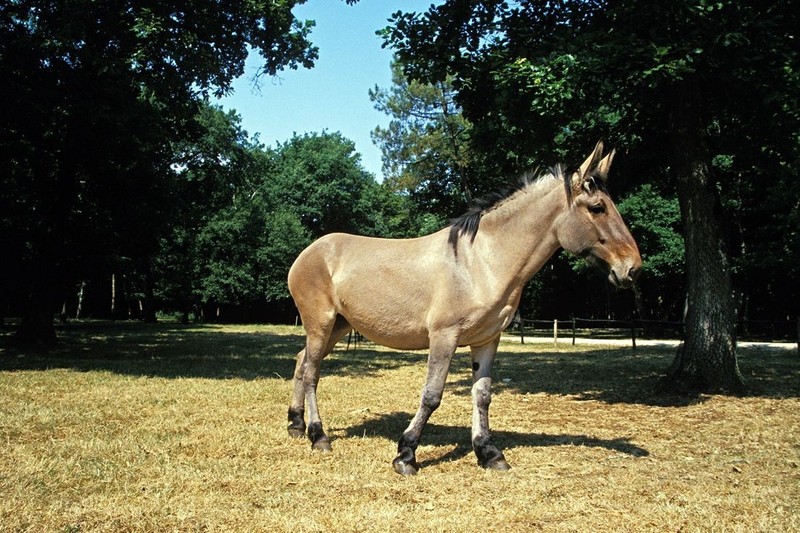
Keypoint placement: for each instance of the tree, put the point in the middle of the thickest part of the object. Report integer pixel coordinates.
(654, 218)
(219, 168)
(95, 93)
(664, 79)
(425, 147)
(320, 177)
(246, 211)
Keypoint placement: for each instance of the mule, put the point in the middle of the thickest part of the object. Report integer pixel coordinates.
(457, 287)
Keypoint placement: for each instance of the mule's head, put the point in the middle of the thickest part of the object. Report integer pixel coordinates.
(592, 228)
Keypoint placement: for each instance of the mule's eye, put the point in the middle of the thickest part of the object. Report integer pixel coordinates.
(597, 208)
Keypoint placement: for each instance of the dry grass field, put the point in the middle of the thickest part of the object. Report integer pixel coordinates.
(130, 427)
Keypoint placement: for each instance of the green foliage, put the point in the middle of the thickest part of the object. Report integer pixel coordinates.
(538, 78)
(224, 246)
(425, 148)
(284, 238)
(246, 212)
(96, 95)
(321, 178)
(244, 254)
(655, 222)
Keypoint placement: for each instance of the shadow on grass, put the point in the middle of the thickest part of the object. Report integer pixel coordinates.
(170, 350)
(613, 375)
(622, 375)
(391, 426)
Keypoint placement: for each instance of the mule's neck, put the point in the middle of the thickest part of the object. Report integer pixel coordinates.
(517, 237)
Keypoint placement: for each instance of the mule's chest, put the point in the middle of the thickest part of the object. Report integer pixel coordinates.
(485, 327)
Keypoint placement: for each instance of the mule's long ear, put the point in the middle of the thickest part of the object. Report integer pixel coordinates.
(605, 165)
(583, 172)
(592, 160)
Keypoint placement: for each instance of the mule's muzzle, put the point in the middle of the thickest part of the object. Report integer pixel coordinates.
(621, 273)
(624, 275)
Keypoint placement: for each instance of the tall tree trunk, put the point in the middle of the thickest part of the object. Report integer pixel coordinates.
(149, 307)
(80, 300)
(36, 326)
(707, 359)
(113, 296)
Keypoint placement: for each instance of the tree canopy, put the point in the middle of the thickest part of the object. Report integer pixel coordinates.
(95, 94)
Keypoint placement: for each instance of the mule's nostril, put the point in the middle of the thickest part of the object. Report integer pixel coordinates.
(633, 273)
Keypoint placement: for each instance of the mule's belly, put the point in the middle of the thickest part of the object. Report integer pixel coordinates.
(418, 341)
(401, 330)
(413, 331)
(390, 303)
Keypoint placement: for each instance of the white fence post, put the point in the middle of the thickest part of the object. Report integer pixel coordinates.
(555, 333)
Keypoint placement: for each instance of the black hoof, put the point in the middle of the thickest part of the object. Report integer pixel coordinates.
(297, 425)
(319, 440)
(405, 469)
(322, 445)
(489, 457)
(297, 433)
(497, 464)
(405, 463)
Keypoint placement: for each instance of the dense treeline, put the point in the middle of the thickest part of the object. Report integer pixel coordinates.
(98, 100)
(126, 193)
(235, 214)
(243, 212)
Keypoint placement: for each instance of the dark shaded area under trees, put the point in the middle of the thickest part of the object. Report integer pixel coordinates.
(119, 173)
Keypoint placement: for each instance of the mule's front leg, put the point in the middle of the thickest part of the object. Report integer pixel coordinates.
(488, 454)
(438, 364)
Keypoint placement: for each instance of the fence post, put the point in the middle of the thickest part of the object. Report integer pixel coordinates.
(573, 330)
(798, 334)
(555, 333)
(521, 330)
(633, 333)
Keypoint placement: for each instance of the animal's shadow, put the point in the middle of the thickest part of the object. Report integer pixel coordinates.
(391, 426)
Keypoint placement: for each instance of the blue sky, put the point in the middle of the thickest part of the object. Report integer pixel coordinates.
(332, 96)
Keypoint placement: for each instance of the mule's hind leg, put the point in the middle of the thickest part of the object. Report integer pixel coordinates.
(488, 455)
(297, 423)
(319, 343)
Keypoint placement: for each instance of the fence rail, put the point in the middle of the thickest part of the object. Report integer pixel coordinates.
(782, 330)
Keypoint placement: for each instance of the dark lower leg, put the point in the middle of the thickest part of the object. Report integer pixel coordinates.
(319, 343)
(406, 461)
(297, 425)
(441, 353)
(488, 455)
(319, 440)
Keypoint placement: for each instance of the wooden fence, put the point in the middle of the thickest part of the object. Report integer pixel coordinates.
(574, 328)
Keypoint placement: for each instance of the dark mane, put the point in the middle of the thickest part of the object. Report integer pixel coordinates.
(469, 223)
